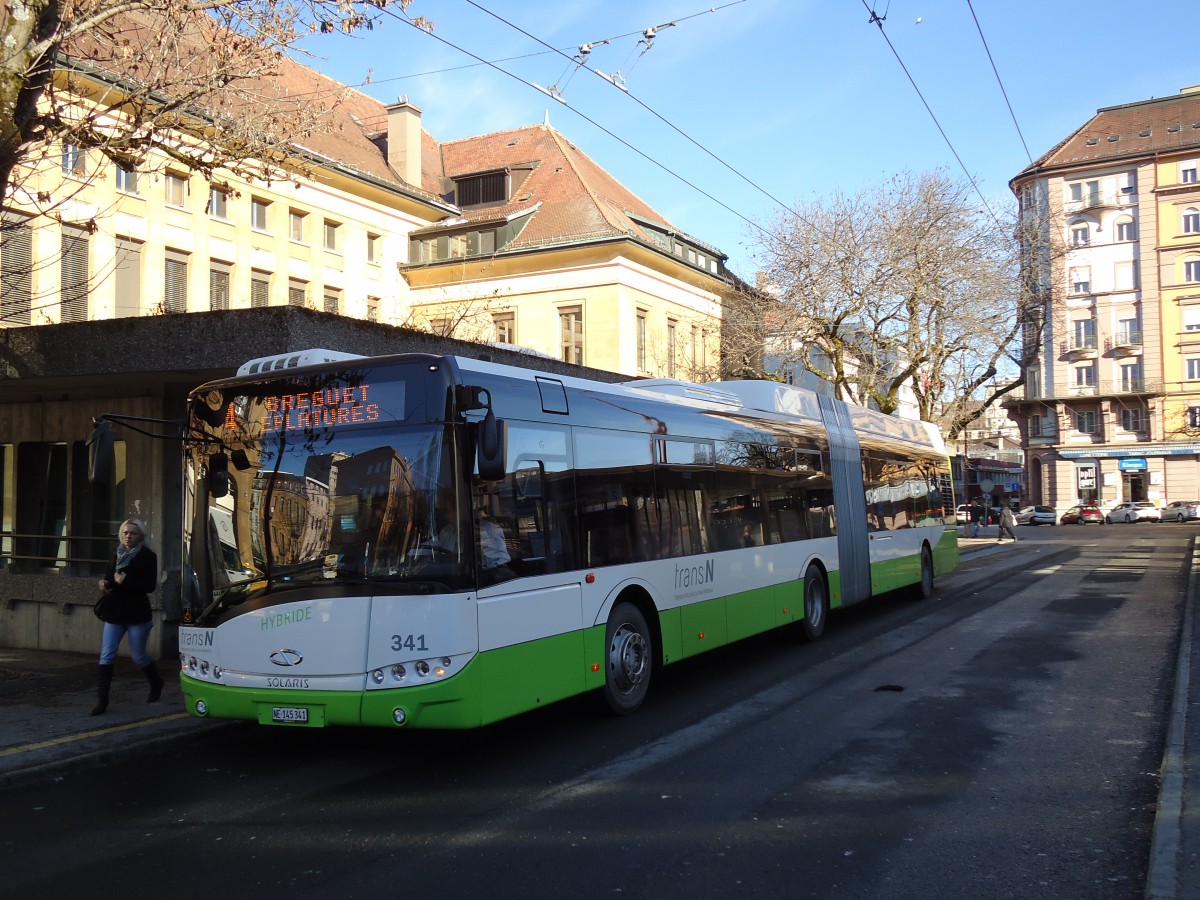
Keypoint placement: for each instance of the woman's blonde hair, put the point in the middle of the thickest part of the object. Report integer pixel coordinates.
(140, 526)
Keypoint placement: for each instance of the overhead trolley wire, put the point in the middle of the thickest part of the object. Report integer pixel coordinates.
(988, 51)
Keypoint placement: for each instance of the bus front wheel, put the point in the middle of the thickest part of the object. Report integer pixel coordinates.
(629, 659)
(816, 605)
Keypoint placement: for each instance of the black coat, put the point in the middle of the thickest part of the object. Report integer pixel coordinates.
(130, 601)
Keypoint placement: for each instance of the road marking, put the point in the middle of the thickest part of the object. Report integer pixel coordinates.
(70, 738)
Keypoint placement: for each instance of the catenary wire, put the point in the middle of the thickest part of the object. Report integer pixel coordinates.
(988, 50)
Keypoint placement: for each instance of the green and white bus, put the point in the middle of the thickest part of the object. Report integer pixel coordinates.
(442, 542)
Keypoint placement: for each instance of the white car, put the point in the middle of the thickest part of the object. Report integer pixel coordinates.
(1133, 511)
(1036, 515)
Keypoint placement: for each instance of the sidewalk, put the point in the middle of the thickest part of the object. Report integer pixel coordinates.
(45, 730)
(45, 698)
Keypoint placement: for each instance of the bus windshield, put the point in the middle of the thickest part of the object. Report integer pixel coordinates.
(327, 505)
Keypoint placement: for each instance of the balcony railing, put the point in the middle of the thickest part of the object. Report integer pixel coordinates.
(1078, 348)
(1114, 388)
(1100, 200)
(63, 554)
(1124, 342)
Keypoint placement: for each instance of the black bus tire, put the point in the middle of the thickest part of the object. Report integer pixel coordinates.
(628, 659)
(923, 589)
(816, 605)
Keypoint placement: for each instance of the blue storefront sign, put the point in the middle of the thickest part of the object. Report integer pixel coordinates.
(1132, 464)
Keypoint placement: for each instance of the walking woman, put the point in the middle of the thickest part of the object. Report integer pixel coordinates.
(132, 576)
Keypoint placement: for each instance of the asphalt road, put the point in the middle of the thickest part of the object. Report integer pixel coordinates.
(1001, 740)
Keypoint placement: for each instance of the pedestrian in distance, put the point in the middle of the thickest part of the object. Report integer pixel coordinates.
(976, 513)
(1008, 523)
(132, 575)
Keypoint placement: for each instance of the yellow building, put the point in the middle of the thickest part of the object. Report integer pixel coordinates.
(516, 237)
(1111, 402)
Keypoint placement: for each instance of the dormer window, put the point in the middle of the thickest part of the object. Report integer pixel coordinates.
(476, 190)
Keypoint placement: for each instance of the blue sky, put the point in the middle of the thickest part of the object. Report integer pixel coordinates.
(759, 102)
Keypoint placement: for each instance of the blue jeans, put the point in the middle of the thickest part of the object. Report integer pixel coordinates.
(111, 640)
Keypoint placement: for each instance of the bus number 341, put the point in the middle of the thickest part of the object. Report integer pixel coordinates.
(409, 642)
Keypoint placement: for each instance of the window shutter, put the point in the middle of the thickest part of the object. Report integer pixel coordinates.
(74, 274)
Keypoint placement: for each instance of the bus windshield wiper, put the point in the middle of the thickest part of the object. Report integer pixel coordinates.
(233, 594)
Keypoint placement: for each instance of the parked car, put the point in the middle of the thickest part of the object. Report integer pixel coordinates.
(1182, 511)
(1036, 515)
(1082, 514)
(1133, 511)
(962, 515)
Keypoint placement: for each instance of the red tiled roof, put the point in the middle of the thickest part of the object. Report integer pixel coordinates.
(571, 197)
(1162, 125)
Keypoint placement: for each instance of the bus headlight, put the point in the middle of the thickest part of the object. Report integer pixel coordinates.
(398, 672)
(377, 676)
(399, 716)
(422, 667)
(204, 667)
(201, 708)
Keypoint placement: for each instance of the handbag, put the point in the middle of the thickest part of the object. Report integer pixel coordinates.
(102, 606)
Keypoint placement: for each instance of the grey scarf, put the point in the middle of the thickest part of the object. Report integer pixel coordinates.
(125, 557)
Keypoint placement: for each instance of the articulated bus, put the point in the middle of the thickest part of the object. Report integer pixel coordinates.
(442, 542)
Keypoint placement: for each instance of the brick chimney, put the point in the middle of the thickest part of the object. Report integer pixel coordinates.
(404, 140)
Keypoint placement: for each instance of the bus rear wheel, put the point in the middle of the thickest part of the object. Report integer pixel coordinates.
(816, 605)
(629, 659)
(923, 589)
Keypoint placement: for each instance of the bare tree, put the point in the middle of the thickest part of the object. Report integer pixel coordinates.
(910, 286)
(192, 81)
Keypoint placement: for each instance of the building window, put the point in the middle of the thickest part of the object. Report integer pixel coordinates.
(1134, 420)
(374, 248)
(218, 204)
(1084, 334)
(1193, 416)
(218, 286)
(127, 277)
(16, 271)
(1193, 368)
(296, 226)
(479, 189)
(504, 328)
(1191, 221)
(1035, 426)
(1188, 173)
(372, 309)
(1080, 235)
(672, 346)
(1081, 280)
(176, 188)
(297, 293)
(175, 274)
(1084, 376)
(1085, 422)
(1125, 275)
(331, 236)
(258, 214)
(73, 269)
(260, 289)
(74, 160)
(1126, 230)
(333, 300)
(1129, 332)
(571, 331)
(1191, 270)
(1131, 377)
(127, 180)
(641, 340)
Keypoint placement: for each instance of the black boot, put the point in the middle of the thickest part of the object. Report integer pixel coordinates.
(103, 684)
(156, 682)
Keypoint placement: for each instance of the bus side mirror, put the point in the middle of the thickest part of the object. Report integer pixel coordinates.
(491, 447)
(218, 475)
(100, 451)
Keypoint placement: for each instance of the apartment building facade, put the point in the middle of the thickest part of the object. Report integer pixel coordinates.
(1110, 218)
